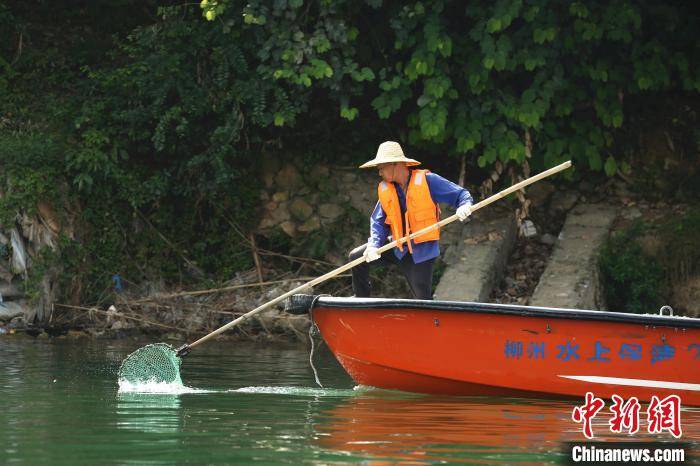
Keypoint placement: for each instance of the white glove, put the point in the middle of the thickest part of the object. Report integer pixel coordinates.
(464, 211)
(371, 253)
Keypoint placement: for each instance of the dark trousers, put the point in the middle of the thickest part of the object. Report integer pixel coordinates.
(419, 276)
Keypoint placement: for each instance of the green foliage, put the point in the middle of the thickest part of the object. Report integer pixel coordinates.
(476, 78)
(681, 258)
(152, 118)
(637, 282)
(30, 171)
(159, 162)
(633, 280)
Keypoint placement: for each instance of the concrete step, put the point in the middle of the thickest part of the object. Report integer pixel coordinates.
(476, 257)
(571, 278)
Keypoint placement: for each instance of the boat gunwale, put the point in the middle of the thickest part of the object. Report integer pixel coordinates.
(506, 309)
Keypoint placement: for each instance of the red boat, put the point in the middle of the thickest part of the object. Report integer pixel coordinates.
(464, 348)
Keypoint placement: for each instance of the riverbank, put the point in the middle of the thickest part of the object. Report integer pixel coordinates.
(157, 310)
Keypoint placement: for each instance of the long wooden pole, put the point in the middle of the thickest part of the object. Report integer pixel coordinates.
(183, 350)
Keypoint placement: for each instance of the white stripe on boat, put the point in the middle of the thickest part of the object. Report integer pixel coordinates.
(635, 382)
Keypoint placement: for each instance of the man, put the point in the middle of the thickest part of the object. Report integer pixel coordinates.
(408, 202)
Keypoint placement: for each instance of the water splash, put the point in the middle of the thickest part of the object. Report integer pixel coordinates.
(364, 388)
(156, 387)
(296, 391)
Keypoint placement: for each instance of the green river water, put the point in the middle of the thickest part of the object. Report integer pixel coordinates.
(258, 403)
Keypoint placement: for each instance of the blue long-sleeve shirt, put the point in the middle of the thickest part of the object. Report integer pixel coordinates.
(441, 191)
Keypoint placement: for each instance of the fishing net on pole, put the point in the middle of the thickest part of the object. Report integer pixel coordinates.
(155, 363)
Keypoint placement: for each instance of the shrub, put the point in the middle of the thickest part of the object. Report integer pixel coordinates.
(633, 280)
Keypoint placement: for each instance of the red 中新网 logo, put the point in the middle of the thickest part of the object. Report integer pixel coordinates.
(662, 415)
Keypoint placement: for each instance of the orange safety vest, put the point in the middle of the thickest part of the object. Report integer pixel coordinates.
(421, 211)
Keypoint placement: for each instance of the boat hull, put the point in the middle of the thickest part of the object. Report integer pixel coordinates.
(511, 351)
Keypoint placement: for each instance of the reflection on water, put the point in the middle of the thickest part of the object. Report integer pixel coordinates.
(436, 428)
(151, 413)
(391, 425)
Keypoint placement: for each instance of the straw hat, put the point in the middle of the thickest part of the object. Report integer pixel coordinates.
(389, 152)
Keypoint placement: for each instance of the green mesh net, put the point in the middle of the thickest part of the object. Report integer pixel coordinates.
(156, 363)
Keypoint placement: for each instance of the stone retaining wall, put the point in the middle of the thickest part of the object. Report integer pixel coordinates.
(300, 200)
